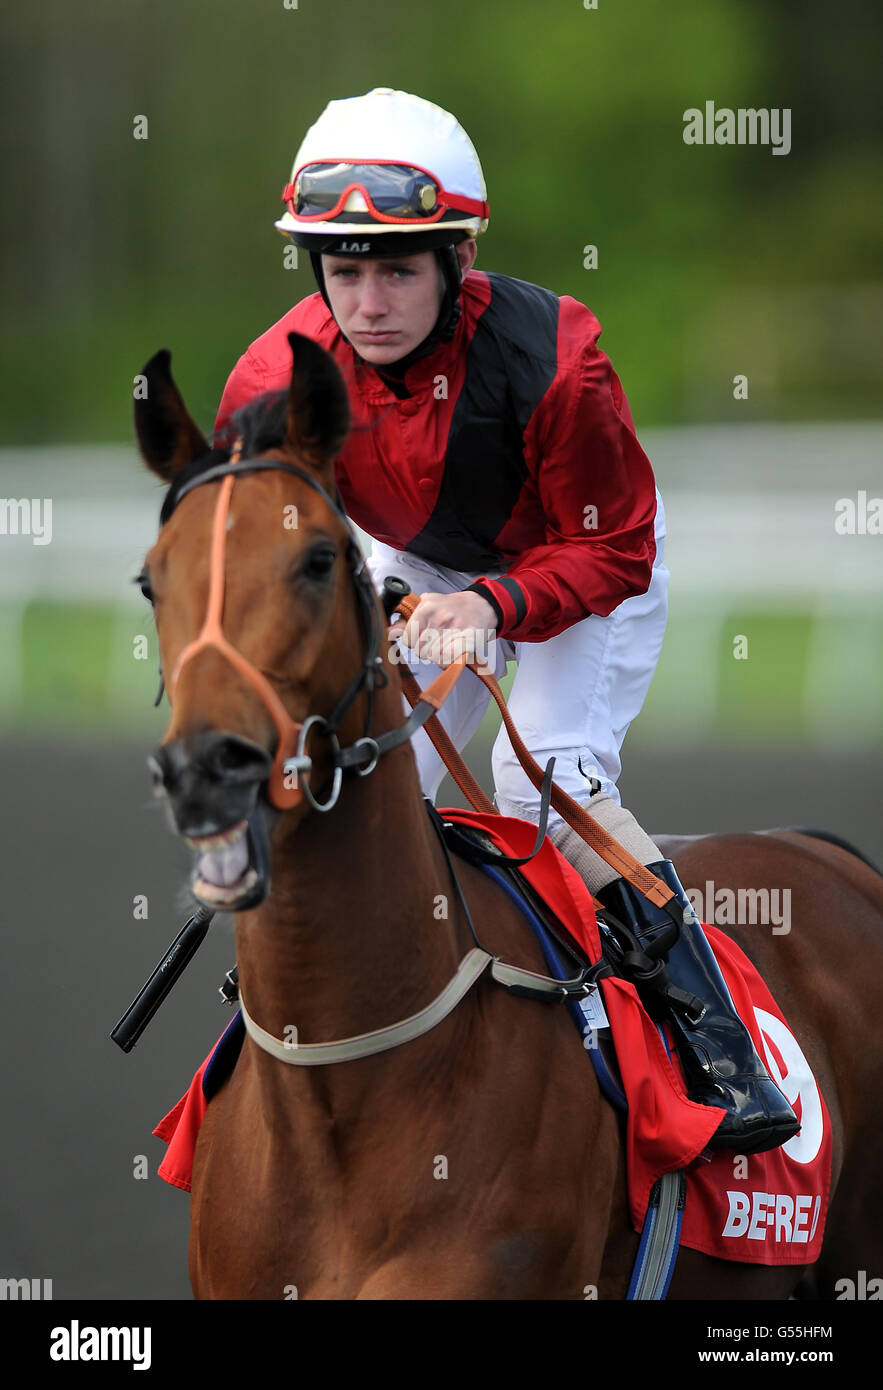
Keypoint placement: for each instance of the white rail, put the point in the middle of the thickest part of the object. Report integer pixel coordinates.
(750, 513)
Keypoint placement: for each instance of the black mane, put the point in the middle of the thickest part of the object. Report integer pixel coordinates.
(260, 424)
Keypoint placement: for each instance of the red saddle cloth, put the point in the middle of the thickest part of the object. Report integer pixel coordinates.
(768, 1208)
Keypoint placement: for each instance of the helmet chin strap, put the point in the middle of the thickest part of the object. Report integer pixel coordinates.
(448, 315)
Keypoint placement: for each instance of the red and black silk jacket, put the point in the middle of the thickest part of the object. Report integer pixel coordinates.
(514, 451)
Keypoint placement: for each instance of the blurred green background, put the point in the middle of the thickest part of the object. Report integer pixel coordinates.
(713, 261)
(115, 246)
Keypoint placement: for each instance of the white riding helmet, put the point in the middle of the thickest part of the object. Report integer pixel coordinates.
(384, 163)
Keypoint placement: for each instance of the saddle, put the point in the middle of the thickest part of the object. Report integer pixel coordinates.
(471, 844)
(621, 952)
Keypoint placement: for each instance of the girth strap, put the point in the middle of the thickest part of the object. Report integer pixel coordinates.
(471, 967)
(381, 1039)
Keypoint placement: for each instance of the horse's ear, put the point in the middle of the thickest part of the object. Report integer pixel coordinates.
(318, 405)
(167, 435)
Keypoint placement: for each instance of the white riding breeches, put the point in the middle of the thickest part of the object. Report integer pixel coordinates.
(573, 696)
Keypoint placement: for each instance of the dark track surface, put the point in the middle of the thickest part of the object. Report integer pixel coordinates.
(80, 840)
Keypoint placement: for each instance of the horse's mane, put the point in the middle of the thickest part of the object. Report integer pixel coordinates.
(260, 424)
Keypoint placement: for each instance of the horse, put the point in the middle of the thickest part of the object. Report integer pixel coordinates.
(478, 1160)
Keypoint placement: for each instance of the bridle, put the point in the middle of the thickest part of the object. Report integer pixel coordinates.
(288, 782)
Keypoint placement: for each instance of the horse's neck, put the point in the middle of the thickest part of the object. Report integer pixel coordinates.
(352, 937)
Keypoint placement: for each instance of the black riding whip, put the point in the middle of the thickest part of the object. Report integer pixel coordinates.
(165, 976)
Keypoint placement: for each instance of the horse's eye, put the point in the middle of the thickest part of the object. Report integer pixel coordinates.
(143, 582)
(320, 562)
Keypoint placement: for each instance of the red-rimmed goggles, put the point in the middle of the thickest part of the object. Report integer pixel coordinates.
(393, 192)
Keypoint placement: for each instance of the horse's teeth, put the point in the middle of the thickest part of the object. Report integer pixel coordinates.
(220, 893)
(219, 841)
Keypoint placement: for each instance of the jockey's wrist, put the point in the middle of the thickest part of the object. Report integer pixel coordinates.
(484, 592)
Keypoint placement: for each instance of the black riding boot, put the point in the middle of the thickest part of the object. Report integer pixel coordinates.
(719, 1059)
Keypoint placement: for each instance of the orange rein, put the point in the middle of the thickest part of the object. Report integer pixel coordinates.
(576, 816)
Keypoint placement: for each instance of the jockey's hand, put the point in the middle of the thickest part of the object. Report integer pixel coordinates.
(443, 626)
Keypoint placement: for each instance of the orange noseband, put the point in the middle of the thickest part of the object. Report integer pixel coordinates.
(283, 797)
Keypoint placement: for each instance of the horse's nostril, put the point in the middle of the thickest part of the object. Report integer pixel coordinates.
(230, 758)
(157, 774)
(180, 767)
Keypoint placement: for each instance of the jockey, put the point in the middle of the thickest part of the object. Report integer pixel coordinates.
(494, 461)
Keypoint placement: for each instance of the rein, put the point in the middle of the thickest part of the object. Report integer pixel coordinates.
(595, 836)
